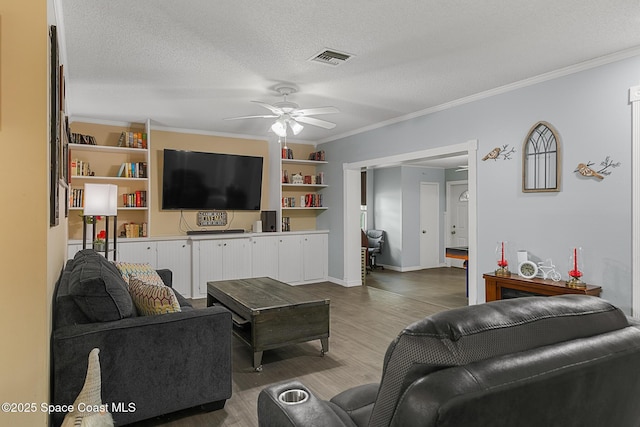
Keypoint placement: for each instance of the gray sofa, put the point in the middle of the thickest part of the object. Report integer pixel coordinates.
(151, 365)
(569, 360)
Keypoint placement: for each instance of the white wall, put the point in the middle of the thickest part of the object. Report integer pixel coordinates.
(591, 112)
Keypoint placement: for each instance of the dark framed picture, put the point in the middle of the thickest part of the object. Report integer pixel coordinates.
(54, 134)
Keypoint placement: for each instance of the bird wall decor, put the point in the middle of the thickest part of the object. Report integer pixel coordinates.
(503, 153)
(586, 170)
(493, 154)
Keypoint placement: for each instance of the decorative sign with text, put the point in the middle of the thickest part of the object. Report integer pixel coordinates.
(206, 218)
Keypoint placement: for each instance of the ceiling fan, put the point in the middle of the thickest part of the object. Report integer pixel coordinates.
(290, 115)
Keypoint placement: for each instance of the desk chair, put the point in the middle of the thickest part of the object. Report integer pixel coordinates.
(375, 244)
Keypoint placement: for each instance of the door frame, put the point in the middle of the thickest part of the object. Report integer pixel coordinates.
(351, 206)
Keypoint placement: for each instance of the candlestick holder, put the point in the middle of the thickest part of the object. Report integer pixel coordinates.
(576, 261)
(502, 259)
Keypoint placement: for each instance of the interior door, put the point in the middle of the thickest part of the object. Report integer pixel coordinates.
(458, 219)
(429, 225)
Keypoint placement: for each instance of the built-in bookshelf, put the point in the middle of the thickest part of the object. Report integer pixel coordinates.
(301, 190)
(116, 155)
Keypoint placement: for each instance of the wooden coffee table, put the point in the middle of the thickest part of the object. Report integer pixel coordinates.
(267, 313)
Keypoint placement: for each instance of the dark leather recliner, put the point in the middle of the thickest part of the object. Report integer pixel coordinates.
(376, 243)
(570, 360)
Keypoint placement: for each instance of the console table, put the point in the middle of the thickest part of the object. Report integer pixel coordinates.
(502, 287)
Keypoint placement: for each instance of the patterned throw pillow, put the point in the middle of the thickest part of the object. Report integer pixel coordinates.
(152, 299)
(144, 272)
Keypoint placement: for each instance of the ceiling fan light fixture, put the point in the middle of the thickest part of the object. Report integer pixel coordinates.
(295, 126)
(279, 128)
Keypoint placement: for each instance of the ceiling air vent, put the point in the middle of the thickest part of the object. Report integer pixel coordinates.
(330, 57)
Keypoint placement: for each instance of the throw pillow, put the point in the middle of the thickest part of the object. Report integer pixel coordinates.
(99, 292)
(152, 299)
(144, 272)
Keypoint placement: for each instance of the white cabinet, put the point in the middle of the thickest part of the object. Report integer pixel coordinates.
(290, 259)
(220, 259)
(264, 256)
(294, 258)
(302, 258)
(137, 252)
(207, 264)
(176, 256)
(314, 254)
(236, 259)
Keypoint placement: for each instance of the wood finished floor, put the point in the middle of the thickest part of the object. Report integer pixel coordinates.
(364, 320)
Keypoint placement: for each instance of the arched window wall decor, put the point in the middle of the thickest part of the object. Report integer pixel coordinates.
(541, 159)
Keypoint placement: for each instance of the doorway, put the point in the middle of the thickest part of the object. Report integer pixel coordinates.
(351, 213)
(457, 218)
(429, 224)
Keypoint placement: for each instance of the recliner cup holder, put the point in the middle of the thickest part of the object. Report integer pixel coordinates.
(293, 396)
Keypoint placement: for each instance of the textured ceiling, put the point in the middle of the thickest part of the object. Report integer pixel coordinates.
(190, 64)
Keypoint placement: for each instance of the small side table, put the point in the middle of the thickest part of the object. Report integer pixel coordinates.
(502, 287)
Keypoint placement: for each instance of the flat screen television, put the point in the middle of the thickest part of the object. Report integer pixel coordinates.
(202, 181)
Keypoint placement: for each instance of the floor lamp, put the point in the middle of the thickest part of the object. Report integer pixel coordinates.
(100, 200)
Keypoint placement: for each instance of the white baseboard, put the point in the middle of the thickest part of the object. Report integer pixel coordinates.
(341, 282)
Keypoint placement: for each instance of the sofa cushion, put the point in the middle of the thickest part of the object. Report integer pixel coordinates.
(142, 271)
(152, 299)
(98, 290)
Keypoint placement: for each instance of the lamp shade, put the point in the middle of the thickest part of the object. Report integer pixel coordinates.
(279, 128)
(100, 199)
(295, 127)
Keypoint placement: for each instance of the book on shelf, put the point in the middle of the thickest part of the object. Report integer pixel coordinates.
(133, 170)
(287, 153)
(137, 199)
(133, 140)
(80, 168)
(76, 198)
(286, 223)
(311, 200)
(317, 156)
(288, 202)
(78, 138)
(133, 230)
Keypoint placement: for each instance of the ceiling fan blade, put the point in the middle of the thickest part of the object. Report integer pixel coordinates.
(315, 111)
(268, 116)
(275, 110)
(315, 122)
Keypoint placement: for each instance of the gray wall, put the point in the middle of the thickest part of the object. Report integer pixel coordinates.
(590, 110)
(455, 175)
(387, 213)
(411, 179)
(396, 210)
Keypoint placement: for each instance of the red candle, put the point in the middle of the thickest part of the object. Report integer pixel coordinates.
(575, 259)
(502, 253)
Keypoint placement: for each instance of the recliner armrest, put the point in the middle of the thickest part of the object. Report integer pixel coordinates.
(357, 402)
(272, 412)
